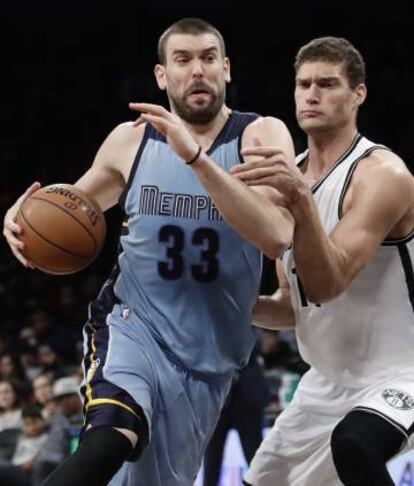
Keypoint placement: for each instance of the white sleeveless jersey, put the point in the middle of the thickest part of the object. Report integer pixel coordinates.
(367, 332)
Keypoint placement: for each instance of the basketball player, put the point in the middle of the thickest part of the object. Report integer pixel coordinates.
(173, 322)
(350, 278)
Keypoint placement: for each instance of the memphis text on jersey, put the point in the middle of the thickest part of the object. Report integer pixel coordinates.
(155, 202)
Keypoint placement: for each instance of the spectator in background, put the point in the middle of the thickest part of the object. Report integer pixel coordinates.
(42, 394)
(64, 428)
(11, 369)
(28, 352)
(10, 411)
(244, 411)
(50, 362)
(19, 471)
(275, 352)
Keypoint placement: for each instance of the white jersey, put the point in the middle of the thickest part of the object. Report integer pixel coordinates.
(367, 332)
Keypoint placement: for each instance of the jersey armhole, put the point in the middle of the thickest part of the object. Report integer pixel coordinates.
(350, 173)
(124, 193)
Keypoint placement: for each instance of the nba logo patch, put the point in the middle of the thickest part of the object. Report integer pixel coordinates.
(398, 399)
(125, 313)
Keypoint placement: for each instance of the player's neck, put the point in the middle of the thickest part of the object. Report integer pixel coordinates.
(206, 133)
(326, 148)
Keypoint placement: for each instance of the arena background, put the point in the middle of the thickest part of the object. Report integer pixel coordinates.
(69, 70)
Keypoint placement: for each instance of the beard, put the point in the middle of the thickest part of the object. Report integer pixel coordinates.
(202, 115)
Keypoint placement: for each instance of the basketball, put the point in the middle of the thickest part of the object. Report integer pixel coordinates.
(63, 229)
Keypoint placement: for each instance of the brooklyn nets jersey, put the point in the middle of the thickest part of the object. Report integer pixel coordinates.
(188, 277)
(367, 332)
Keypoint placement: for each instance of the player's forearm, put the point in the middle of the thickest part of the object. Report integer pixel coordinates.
(252, 215)
(103, 186)
(319, 264)
(273, 312)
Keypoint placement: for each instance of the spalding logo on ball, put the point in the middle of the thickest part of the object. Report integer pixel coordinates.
(63, 229)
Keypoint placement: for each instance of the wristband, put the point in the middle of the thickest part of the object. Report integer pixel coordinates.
(196, 156)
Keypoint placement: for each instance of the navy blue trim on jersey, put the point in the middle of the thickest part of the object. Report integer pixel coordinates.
(103, 304)
(245, 120)
(408, 271)
(351, 173)
(131, 176)
(232, 128)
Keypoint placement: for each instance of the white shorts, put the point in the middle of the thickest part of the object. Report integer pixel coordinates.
(296, 452)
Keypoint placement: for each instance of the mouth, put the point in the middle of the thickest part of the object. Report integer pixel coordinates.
(311, 113)
(199, 91)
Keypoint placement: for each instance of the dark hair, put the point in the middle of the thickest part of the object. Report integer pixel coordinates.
(334, 50)
(31, 411)
(17, 394)
(192, 26)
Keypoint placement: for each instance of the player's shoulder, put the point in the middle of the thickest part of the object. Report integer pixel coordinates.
(385, 169)
(266, 123)
(127, 131)
(384, 162)
(269, 130)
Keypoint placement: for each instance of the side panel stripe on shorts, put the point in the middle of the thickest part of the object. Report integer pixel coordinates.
(111, 401)
(408, 271)
(88, 391)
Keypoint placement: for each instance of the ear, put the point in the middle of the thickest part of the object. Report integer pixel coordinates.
(360, 93)
(226, 69)
(159, 72)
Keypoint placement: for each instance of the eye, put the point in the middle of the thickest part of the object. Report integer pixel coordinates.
(210, 58)
(181, 60)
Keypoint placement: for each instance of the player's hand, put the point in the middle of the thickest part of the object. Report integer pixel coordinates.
(169, 125)
(11, 230)
(270, 166)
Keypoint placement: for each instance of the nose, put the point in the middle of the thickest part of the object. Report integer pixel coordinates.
(197, 70)
(313, 95)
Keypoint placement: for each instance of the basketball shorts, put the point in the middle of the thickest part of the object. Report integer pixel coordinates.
(131, 383)
(296, 451)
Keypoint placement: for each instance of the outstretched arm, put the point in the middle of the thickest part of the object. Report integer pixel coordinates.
(381, 197)
(255, 216)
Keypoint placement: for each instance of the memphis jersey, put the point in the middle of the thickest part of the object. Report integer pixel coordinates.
(185, 274)
(367, 331)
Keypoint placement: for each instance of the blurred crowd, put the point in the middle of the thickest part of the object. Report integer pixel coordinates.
(41, 348)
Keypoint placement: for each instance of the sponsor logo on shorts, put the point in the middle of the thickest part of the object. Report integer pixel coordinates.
(398, 399)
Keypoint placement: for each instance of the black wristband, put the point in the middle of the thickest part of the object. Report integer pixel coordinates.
(196, 156)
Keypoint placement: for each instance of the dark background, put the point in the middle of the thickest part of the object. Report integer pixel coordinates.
(69, 70)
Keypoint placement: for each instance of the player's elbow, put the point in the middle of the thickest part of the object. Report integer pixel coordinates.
(323, 294)
(274, 248)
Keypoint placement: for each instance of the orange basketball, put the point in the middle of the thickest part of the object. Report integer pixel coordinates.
(63, 229)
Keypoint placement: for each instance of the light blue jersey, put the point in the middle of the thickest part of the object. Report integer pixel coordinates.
(188, 276)
(174, 320)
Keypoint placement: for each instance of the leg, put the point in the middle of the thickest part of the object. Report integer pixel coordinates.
(361, 445)
(249, 427)
(116, 425)
(214, 452)
(99, 456)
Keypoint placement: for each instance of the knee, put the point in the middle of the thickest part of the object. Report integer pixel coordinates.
(347, 447)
